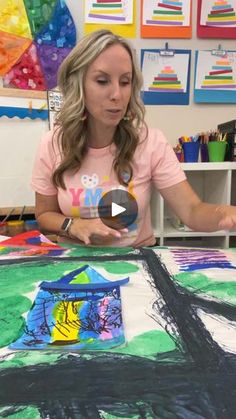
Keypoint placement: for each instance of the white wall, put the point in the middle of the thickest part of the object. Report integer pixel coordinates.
(186, 120)
(19, 138)
(18, 142)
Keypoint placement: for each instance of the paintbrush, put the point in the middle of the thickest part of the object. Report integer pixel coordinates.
(22, 212)
(8, 215)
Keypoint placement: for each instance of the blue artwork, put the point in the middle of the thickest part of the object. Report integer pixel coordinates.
(215, 77)
(166, 75)
(82, 310)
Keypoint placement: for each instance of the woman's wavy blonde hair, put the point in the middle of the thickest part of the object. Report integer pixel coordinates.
(71, 127)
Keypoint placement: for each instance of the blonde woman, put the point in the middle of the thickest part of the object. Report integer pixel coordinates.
(100, 143)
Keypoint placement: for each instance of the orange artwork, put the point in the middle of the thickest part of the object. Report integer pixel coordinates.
(11, 49)
(156, 30)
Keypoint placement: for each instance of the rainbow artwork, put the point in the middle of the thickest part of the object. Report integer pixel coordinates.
(166, 81)
(109, 11)
(35, 37)
(222, 14)
(167, 12)
(220, 76)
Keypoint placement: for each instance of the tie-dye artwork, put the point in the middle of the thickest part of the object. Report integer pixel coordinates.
(82, 310)
(30, 238)
(30, 243)
(35, 37)
(178, 325)
(8, 252)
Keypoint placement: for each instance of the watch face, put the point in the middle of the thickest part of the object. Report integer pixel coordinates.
(65, 224)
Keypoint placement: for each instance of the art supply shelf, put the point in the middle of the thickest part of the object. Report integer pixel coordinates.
(214, 183)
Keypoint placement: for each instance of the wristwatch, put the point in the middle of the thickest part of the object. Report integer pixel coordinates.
(65, 226)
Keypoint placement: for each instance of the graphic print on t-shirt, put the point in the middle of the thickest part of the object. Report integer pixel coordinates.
(85, 198)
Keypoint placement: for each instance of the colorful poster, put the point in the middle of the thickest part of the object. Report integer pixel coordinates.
(216, 19)
(160, 19)
(111, 12)
(218, 13)
(215, 77)
(162, 345)
(166, 13)
(117, 15)
(29, 239)
(166, 77)
(35, 37)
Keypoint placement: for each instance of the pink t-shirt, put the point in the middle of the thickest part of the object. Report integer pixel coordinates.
(154, 163)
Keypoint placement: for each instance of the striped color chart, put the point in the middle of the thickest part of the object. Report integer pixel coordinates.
(166, 81)
(167, 12)
(220, 76)
(222, 14)
(103, 10)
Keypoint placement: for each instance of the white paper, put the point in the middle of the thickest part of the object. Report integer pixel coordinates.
(150, 5)
(104, 15)
(209, 6)
(206, 63)
(154, 63)
(54, 105)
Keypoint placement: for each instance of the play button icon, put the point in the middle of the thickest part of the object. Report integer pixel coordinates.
(118, 209)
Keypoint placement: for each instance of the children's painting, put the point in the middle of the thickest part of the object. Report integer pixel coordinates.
(215, 76)
(36, 36)
(119, 16)
(80, 310)
(216, 19)
(117, 333)
(166, 19)
(166, 76)
(30, 243)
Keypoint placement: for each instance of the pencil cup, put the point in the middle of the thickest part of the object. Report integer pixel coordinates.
(191, 151)
(204, 153)
(216, 150)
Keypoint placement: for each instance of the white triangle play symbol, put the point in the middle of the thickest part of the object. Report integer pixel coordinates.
(116, 209)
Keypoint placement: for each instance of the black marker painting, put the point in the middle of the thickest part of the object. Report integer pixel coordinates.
(179, 355)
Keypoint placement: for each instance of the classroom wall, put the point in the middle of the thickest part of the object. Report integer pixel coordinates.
(19, 138)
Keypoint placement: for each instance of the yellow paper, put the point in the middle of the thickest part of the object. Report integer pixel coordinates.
(13, 18)
(127, 31)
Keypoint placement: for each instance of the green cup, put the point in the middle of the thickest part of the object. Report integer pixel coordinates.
(217, 150)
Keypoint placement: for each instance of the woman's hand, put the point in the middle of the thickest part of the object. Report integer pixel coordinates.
(85, 229)
(228, 217)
